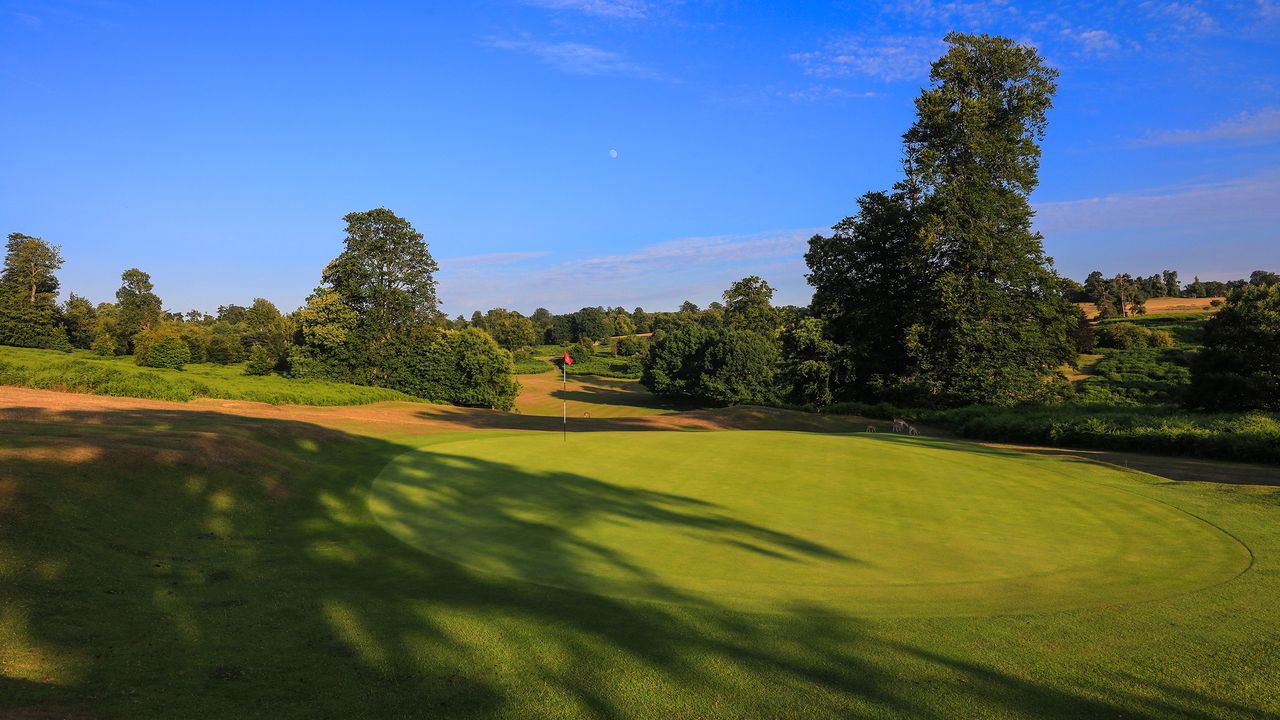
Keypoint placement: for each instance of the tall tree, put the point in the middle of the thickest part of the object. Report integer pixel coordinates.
(995, 323)
(747, 305)
(28, 291)
(138, 306)
(385, 273)
(1239, 367)
(29, 267)
(869, 280)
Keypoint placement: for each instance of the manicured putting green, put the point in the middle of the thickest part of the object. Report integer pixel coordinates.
(793, 522)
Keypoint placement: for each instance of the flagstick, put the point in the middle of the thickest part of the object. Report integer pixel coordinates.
(564, 402)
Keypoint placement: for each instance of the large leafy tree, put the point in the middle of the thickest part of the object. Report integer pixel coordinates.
(870, 278)
(747, 305)
(138, 307)
(994, 323)
(386, 274)
(28, 291)
(1239, 367)
(941, 289)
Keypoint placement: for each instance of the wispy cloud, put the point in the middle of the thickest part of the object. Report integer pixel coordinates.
(489, 260)
(1251, 128)
(659, 275)
(575, 58)
(1183, 17)
(887, 58)
(634, 9)
(1253, 200)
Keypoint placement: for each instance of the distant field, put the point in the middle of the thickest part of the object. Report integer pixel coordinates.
(1164, 305)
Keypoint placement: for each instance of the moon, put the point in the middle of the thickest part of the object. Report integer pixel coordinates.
(613, 153)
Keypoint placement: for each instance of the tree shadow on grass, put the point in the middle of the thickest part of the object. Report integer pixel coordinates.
(161, 563)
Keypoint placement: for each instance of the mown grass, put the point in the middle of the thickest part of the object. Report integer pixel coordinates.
(162, 563)
(87, 373)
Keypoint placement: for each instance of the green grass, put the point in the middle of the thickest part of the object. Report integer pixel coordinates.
(178, 563)
(84, 372)
(1134, 377)
(865, 525)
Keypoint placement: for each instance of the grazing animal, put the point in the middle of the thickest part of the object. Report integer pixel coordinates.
(912, 430)
(900, 425)
(871, 428)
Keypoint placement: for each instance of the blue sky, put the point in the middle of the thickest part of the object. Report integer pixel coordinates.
(217, 145)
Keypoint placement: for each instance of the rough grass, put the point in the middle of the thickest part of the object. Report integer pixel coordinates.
(588, 396)
(171, 586)
(86, 373)
(1245, 437)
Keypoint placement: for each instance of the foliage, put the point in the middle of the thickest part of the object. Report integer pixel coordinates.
(462, 367)
(138, 307)
(589, 323)
(1161, 430)
(1136, 377)
(59, 341)
(385, 274)
(80, 319)
(104, 345)
(630, 346)
(162, 347)
(809, 364)
(86, 373)
(1127, 336)
(941, 290)
(224, 349)
(725, 366)
(510, 330)
(1239, 367)
(28, 288)
(869, 280)
(261, 361)
(526, 362)
(747, 306)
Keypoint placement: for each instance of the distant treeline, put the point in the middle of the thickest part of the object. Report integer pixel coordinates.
(1124, 295)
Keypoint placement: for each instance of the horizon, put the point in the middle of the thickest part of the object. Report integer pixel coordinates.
(556, 153)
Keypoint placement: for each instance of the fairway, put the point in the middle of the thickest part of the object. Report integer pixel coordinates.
(867, 525)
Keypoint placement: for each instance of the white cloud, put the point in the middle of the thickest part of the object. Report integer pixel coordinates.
(604, 8)
(1093, 42)
(488, 260)
(575, 58)
(1251, 201)
(888, 58)
(1258, 127)
(1185, 17)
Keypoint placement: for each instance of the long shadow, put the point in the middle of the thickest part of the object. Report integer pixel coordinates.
(169, 563)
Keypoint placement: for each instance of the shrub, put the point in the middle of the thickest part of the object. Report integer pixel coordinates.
(59, 341)
(104, 345)
(630, 347)
(223, 349)
(462, 367)
(161, 348)
(1128, 336)
(261, 361)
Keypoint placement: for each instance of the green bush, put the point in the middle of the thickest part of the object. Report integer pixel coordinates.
(59, 341)
(223, 349)
(261, 361)
(161, 348)
(103, 345)
(630, 346)
(462, 367)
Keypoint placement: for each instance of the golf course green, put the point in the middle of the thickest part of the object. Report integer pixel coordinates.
(778, 522)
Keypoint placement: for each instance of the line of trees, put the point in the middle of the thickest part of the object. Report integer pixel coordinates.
(1125, 295)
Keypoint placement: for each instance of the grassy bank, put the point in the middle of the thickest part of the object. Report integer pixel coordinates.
(86, 373)
(1166, 430)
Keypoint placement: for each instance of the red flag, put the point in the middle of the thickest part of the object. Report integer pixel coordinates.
(568, 360)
